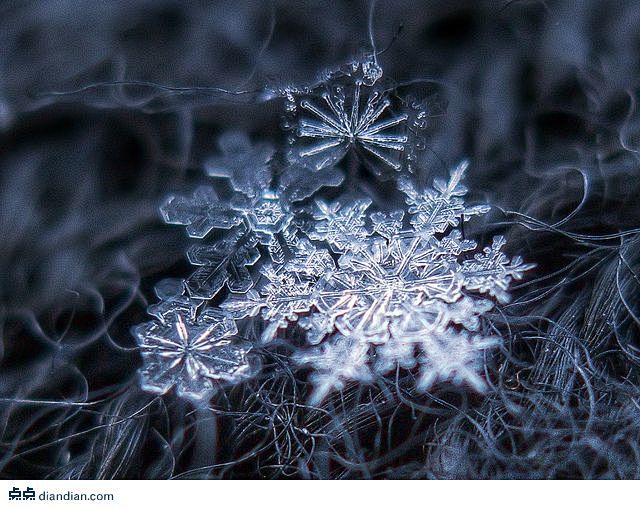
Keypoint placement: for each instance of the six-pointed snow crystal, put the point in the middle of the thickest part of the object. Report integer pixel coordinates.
(259, 213)
(371, 291)
(189, 351)
(348, 111)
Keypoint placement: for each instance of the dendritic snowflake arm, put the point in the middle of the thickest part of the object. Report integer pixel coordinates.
(200, 213)
(341, 224)
(492, 272)
(286, 291)
(277, 303)
(246, 165)
(335, 363)
(192, 354)
(270, 218)
(223, 262)
(437, 209)
(387, 225)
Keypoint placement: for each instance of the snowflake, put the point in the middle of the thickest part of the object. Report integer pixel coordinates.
(372, 291)
(348, 110)
(396, 297)
(259, 213)
(455, 356)
(334, 363)
(204, 212)
(189, 351)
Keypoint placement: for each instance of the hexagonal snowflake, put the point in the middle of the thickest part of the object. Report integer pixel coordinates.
(346, 111)
(258, 213)
(189, 351)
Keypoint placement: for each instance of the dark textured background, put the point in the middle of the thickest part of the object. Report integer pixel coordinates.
(541, 97)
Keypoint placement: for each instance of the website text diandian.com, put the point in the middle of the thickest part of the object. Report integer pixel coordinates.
(69, 495)
(16, 494)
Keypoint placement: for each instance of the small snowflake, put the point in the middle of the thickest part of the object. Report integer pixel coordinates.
(454, 356)
(258, 212)
(334, 363)
(348, 111)
(268, 213)
(192, 354)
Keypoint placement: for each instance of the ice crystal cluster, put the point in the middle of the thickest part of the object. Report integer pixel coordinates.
(369, 291)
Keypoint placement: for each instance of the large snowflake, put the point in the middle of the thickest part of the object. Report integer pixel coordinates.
(396, 296)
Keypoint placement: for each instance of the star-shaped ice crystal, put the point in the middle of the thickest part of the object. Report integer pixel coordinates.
(192, 354)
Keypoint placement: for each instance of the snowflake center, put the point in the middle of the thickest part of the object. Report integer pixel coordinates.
(269, 213)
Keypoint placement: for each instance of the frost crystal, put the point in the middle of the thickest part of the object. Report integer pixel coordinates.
(189, 351)
(348, 110)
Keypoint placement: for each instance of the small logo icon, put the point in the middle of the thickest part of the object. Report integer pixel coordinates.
(17, 494)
